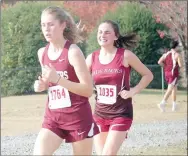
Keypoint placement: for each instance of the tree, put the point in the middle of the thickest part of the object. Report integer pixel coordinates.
(90, 11)
(174, 15)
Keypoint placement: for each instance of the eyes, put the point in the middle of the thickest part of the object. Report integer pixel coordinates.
(104, 32)
(48, 24)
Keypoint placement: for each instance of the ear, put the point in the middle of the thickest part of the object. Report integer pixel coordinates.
(116, 38)
(63, 25)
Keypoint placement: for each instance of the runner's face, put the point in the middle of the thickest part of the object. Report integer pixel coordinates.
(51, 27)
(106, 35)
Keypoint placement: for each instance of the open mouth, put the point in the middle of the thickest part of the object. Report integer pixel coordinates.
(102, 40)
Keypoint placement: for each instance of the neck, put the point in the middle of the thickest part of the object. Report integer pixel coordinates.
(58, 45)
(108, 50)
(173, 50)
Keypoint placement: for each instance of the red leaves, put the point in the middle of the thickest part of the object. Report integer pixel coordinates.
(173, 14)
(161, 33)
(3, 5)
(169, 25)
(165, 3)
(157, 19)
(90, 11)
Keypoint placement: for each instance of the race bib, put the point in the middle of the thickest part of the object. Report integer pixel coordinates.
(58, 97)
(106, 94)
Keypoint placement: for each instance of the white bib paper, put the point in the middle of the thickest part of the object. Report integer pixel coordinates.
(58, 97)
(106, 94)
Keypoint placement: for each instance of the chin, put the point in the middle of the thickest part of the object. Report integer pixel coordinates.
(48, 39)
(104, 45)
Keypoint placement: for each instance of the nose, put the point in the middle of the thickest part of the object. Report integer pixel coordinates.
(46, 28)
(102, 34)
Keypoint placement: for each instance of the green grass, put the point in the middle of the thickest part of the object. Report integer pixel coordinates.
(159, 91)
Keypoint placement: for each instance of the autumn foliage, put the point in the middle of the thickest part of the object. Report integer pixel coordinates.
(90, 11)
(174, 15)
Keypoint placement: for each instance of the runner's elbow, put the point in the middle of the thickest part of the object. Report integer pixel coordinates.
(160, 63)
(150, 76)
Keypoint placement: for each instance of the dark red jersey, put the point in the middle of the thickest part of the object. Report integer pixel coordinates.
(109, 80)
(171, 68)
(69, 110)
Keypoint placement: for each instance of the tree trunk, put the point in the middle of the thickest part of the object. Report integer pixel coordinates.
(184, 70)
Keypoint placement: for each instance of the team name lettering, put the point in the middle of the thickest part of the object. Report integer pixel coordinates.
(63, 74)
(107, 71)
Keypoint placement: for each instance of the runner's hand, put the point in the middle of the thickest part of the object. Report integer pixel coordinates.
(40, 85)
(49, 74)
(125, 94)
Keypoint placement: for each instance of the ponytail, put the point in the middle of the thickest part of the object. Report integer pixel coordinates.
(128, 41)
(71, 32)
(173, 44)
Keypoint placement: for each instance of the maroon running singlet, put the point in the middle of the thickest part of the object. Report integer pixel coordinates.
(67, 114)
(171, 68)
(111, 111)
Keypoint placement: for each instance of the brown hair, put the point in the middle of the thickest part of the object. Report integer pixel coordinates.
(71, 32)
(124, 41)
(174, 44)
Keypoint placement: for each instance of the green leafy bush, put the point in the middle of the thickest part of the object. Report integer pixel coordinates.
(21, 39)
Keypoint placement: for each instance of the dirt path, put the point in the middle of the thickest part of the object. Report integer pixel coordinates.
(24, 114)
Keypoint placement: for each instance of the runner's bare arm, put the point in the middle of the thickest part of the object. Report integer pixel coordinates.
(160, 62)
(179, 61)
(89, 62)
(136, 64)
(77, 60)
(40, 54)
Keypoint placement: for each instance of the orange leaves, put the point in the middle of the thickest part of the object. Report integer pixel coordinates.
(90, 11)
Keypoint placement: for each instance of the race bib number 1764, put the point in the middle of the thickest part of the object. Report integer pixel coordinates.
(58, 97)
